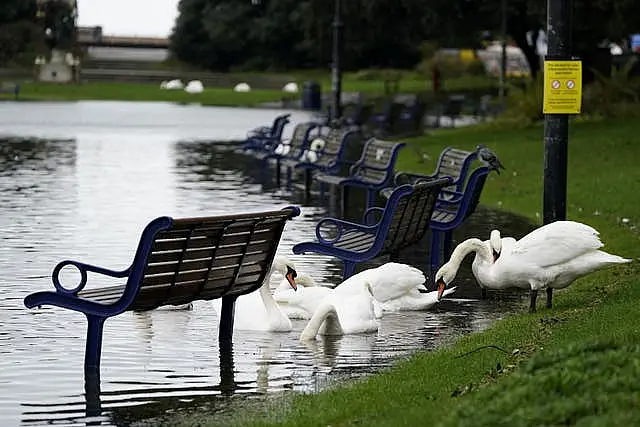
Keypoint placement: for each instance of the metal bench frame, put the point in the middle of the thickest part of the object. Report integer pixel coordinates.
(177, 261)
(266, 137)
(401, 223)
(373, 171)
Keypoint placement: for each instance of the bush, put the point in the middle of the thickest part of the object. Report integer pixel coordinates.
(451, 67)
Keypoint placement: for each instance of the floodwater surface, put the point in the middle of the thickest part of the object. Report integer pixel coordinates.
(83, 184)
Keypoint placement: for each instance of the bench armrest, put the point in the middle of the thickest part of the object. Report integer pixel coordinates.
(341, 227)
(372, 216)
(83, 269)
(410, 178)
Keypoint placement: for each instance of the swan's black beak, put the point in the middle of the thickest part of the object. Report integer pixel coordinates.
(441, 286)
(496, 255)
(291, 277)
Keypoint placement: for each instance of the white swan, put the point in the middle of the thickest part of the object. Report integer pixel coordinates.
(550, 257)
(414, 300)
(242, 87)
(194, 86)
(303, 302)
(258, 311)
(388, 281)
(343, 314)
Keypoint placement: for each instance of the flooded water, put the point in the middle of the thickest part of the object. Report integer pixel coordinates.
(88, 196)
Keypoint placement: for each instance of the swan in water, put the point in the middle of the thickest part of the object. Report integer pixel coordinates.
(258, 311)
(300, 303)
(550, 257)
(343, 314)
(395, 287)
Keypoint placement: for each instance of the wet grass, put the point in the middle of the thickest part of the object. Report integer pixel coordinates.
(575, 364)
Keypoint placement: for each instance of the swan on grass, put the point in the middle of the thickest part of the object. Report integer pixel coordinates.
(550, 257)
(258, 311)
(343, 314)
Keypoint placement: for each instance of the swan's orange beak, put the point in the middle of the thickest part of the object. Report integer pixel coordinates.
(291, 278)
(441, 286)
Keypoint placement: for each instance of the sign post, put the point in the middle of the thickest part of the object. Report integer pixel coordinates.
(562, 92)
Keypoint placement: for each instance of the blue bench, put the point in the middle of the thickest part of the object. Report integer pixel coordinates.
(266, 137)
(373, 171)
(453, 162)
(450, 214)
(177, 261)
(383, 231)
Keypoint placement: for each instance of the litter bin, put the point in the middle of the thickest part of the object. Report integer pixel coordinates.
(311, 96)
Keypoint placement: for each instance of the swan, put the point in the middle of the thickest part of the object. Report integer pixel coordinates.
(175, 84)
(414, 300)
(300, 303)
(312, 154)
(291, 87)
(194, 86)
(343, 314)
(550, 257)
(388, 281)
(258, 311)
(242, 87)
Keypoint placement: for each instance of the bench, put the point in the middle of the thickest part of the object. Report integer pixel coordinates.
(383, 231)
(452, 162)
(373, 170)
(450, 214)
(13, 88)
(177, 261)
(328, 158)
(266, 137)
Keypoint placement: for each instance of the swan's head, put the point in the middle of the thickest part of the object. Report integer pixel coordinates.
(495, 241)
(444, 277)
(286, 267)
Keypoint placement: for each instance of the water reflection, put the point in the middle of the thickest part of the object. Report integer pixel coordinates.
(88, 196)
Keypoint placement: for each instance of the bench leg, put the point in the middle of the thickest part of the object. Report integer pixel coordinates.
(93, 404)
(94, 344)
(278, 172)
(371, 197)
(434, 255)
(345, 200)
(349, 269)
(289, 178)
(226, 318)
(307, 183)
(448, 243)
(227, 378)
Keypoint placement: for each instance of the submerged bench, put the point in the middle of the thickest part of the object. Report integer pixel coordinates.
(373, 171)
(266, 137)
(384, 231)
(177, 261)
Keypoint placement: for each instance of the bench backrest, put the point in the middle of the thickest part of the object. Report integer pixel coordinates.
(410, 219)
(377, 161)
(455, 163)
(334, 145)
(299, 141)
(183, 260)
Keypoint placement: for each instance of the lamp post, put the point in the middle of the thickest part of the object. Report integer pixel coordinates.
(336, 66)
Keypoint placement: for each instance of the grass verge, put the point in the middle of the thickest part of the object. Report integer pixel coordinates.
(575, 364)
(223, 96)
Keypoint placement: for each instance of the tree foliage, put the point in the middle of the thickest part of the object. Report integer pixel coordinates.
(227, 34)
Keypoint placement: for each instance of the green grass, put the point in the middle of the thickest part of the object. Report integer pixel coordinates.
(140, 92)
(31, 91)
(575, 364)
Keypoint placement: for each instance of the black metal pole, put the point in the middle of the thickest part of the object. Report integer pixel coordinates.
(556, 126)
(336, 69)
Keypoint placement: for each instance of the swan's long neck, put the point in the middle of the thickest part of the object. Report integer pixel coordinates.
(319, 316)
(267, 298)
(465, 248)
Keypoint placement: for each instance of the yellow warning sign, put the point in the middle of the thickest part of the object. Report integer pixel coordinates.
(562, 87)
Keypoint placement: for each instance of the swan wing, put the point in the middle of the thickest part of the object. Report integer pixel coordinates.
(556, 243)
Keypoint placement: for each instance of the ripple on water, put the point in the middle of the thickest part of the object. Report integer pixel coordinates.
(88, 197)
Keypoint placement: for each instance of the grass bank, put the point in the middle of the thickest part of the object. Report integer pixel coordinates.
(224, 96)
(575, 364)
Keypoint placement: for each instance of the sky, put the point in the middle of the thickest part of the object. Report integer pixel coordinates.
(129, 17)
